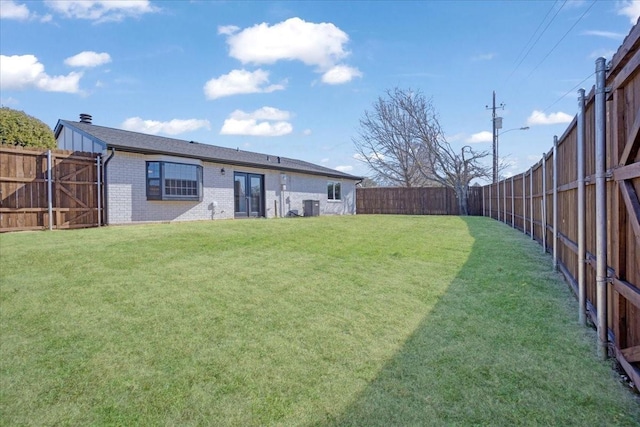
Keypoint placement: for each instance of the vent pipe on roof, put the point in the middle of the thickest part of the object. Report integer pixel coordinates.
(85, 118)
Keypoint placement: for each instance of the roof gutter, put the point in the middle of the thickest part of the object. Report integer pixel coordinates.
(275, 166)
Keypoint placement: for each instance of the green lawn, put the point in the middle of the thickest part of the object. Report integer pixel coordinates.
(359, 321)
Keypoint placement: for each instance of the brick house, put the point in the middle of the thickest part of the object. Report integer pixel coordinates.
(150, 178)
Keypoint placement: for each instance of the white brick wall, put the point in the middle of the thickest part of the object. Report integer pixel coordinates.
(127, 201)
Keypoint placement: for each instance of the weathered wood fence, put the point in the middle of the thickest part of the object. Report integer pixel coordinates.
(580, 202)
(415, 201)
(42, 189)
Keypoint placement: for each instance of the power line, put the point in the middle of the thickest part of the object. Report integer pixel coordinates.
(536, 31)
(568, 92)
(538, 39)
(562, 38)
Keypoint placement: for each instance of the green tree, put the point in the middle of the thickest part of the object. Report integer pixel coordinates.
(19, 128)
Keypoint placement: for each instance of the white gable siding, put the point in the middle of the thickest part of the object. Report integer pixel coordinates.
(127, 200)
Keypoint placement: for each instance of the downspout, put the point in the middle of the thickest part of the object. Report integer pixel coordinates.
(355, 197)
(106, 186)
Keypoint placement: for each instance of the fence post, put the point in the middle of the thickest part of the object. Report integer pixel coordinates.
(504, 196)
(544, 202)
(524, 202)
(483, 211)
(555, 202)
(582, 298)
(601, 212)
(49, 190)
(531, 199)
(513, 204)
(99, 188)
(490, 211)
(498, 200)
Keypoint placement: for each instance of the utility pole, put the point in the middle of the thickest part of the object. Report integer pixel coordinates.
(497, 125)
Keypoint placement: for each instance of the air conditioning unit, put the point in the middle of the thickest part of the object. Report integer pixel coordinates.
(311, 207)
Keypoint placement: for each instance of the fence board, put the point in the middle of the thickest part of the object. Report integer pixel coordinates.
(414, 201)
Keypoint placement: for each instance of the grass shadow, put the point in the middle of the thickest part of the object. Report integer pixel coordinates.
(501, 347)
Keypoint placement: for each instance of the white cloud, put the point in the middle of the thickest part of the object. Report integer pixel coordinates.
(340, 74)
(484, 136)
(325, 160)
(8, 101)
(88, 59)
(630, 9)
(264, 113)
(251, 127)
(227, 29)
(273, 123)
(306, 132)
(101, 10)
(602, 53)
(483, 57)
(321, 44)
(172, 127)
(20, 72)
(9, 9)
(605, 34)
(539, 118)
(345, 168)
(240, 82)
(455, 137)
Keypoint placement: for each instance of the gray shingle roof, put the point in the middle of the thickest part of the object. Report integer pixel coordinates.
(135, 142)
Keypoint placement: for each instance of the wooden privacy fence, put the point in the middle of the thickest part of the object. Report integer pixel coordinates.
(48, 189)
(580, 201)
(414, 201)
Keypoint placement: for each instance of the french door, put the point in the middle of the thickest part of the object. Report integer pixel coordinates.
(248, 195)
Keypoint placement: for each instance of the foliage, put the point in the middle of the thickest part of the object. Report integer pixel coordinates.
(19, 128)
(426, 321)
(403, 144)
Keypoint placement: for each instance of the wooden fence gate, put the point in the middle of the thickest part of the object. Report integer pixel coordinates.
(42, 189)
(624, 81)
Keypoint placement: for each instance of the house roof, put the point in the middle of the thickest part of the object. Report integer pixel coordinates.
(136, 142)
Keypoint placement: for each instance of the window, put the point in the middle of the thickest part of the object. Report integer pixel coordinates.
(333, 190)
(173, 181)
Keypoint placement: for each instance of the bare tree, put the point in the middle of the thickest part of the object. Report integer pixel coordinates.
(368, 183)
(386, 141)
(403, 143)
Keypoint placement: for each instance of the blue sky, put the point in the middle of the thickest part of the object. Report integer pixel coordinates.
(294, 78)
